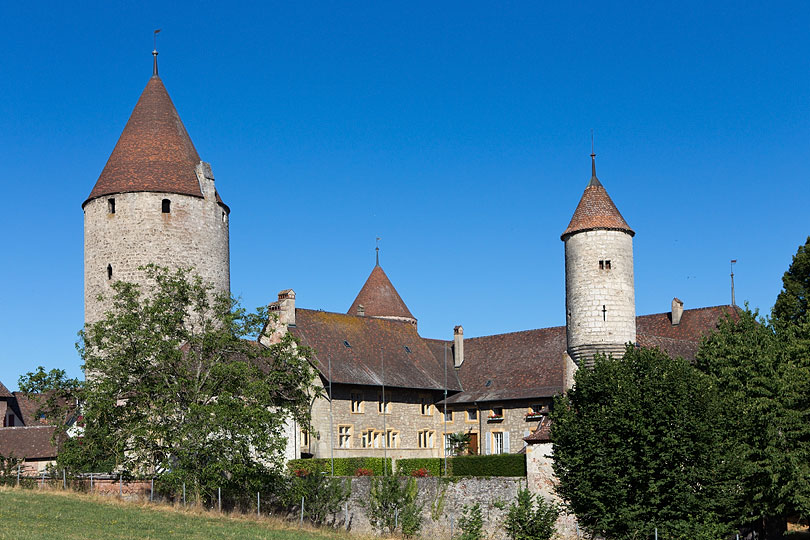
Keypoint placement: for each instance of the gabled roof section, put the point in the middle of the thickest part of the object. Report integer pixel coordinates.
(4, 393)
(682, 339)
(369, 351)
(596, 210)
(380, 299)
(33, 442)
(154, 152)
(518, 365)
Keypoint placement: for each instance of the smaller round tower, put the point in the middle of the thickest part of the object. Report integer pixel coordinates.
(154, 202)
(599, 291)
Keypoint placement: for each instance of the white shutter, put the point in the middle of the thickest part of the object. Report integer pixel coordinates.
(506, 442)
(488, 443)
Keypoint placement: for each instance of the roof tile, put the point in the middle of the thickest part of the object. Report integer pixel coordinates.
(379, 298)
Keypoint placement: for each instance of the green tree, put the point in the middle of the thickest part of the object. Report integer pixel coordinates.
(527, 520)
(459, 443)
(173, 379)
(763, 373)
(471, 523)
(392, 505)
(635, 447)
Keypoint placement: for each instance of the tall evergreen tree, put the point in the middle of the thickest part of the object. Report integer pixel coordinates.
(791, 304)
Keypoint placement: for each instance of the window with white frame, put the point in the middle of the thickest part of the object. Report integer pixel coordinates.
(472, 415)
(497, 442)
(426, 438)
(345, 436)
(371, 439)
(448, 415)
(392, 439)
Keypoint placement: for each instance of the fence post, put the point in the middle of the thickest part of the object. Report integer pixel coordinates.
(301, 523)
(346, 512)
(42, 484)
(259, 505)
(656, 533)
(64, 479)
(152, 490)
(396, 519)
(219, 499)
(18, 475)
(184, 493)
(91, 482)
(120, 485)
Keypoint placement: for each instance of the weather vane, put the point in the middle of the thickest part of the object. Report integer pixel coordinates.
(154, 52)
(377, 249)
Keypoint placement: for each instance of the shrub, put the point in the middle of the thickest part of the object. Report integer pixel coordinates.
(322, 495)
(494, 465)
(434, 466)
(363, 472)
(343, 466)
(471, 523)
(392, 505)
(524, 521)
(421, 473)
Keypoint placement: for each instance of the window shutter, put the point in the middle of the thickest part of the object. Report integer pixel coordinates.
(488, 443)
(506, 442)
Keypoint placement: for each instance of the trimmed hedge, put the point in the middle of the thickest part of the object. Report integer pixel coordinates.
(494, 465)
(433, 465)
(343, 466)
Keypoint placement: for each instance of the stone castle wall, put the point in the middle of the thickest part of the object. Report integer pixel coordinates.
(600, 302)
(193, 234)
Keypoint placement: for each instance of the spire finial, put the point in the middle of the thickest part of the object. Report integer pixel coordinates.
(377, 249)
(594, 180)
(155, 53)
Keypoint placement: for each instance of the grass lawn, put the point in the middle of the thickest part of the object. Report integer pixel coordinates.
(33, 515)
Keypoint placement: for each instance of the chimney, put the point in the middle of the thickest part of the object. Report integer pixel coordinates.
(458, 346)
(206, 179)
(285, 307)
(677, 311)
(361, 310)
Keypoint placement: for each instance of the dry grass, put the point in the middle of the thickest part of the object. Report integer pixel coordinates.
(37, 515)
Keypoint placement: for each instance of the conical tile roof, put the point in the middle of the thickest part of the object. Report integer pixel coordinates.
(380, 299)
(596, 210)
(154, 152)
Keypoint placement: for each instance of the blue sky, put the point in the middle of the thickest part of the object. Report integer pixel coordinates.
(459, 132)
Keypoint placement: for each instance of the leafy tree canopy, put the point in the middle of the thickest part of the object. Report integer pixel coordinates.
(635, 447)
(763, 373)
(175, 387)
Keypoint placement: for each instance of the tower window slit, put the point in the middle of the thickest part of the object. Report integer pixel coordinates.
(111, 206)
(166, 206)
(109, 271)
(604, 264)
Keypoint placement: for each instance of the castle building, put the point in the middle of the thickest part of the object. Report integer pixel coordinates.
(387, 391)
(154, 202)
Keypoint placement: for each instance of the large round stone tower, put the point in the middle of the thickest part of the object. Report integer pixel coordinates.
(599, 292)
(155, 202)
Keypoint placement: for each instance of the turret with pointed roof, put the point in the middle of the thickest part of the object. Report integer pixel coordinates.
(378, 298)
(154, 202)
(599, 289)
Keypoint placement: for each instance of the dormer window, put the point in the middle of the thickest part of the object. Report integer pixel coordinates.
(166, 206)
(110, 206)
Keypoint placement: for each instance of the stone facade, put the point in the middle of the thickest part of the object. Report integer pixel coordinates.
(540, 480)
(193, 233)
(599, 293)
(412, 433)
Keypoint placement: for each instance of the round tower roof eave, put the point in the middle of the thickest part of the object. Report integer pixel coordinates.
(102, 195)
(568, 234)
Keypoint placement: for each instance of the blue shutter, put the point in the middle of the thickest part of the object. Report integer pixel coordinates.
(487, 443)
(506, 442)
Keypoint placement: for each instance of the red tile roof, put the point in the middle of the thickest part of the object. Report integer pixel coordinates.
(542, 434)
(517, 365)
(530, 364)
(28, 405)
(352, 344)
(4, 393)
(154, 152)
(596, 211)
(379, 298)
(28, 442)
